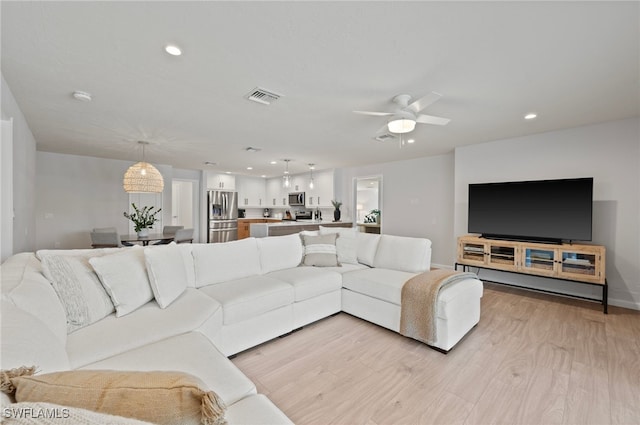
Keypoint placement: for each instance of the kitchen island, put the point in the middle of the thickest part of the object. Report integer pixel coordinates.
(261, 230)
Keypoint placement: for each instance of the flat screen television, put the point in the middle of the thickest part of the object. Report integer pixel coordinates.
(543, 210)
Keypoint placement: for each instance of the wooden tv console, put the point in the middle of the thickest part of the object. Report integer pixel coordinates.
(572, 262)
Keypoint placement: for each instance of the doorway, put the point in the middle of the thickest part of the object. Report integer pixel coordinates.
(185, 204)
(368, 201)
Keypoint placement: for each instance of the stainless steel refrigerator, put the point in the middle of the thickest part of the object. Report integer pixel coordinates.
(222, 215)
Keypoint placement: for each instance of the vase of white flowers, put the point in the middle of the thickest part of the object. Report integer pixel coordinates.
(143, 219)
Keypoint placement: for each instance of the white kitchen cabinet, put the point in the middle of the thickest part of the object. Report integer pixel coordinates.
(252, 192)
(322, 192)
(277, 196)
(220, 181)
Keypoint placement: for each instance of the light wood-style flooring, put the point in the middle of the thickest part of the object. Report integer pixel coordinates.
(532, 359)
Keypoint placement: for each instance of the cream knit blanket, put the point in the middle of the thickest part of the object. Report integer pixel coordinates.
(418, 308)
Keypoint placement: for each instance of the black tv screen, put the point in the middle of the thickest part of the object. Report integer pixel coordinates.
(544, 210)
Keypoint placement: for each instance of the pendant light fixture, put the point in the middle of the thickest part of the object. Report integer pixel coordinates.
(286, 178)
(311, 182)
(143, 177)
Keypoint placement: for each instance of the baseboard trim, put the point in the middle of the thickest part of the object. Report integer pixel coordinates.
(624, 304)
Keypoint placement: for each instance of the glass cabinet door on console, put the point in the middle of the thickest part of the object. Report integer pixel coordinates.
(584, 265)
(502, 255)
(540, 261)
(471, 252)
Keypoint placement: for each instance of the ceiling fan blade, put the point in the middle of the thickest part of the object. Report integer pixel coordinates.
(377, 114)
(430, 119)
(423, 102)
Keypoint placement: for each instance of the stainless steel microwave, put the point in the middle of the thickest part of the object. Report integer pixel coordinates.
(296, 199)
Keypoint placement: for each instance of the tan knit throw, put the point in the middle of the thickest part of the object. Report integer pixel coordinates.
(419, 303)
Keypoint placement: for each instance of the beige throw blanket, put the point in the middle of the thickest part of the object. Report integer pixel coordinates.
(418, 308)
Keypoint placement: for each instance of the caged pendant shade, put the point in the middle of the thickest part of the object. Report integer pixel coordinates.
(143, 177)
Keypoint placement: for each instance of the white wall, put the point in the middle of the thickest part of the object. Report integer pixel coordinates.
(24, 180)
(610, 153)
(77, 193)
(417, 200)
(6, 189)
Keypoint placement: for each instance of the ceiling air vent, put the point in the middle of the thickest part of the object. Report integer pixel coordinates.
(263, 96)
(384, 137)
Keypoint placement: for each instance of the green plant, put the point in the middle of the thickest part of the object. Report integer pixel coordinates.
(144, 218)
(336, 204)
(376, 212)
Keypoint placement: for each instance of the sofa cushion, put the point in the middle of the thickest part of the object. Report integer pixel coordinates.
(167, 273)
(250, 297)
(309, 282)
(383, 284)
(192, 353)
(320, 251)
(402, 253)
(346, 245)
(79, 289)
(27, 341)
(111, 335)
(160, 397)
(280, 252)
(187, 256)
(24, 285)
(124, 276)
(366, 246)
(222, 262)
(345, 268)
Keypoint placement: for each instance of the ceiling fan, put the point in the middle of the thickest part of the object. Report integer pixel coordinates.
(405, 117)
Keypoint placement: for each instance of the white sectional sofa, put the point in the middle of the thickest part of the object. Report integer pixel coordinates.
(238, 295)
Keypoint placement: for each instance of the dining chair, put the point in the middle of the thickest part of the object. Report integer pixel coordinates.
(99, 241)
(169, 231)
(184, 236)
(104, 239)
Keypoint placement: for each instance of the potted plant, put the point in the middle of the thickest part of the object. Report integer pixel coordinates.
(143, 219)
(336, 211)
(373, 217)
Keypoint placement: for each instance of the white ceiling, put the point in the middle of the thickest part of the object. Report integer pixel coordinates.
(573, 63)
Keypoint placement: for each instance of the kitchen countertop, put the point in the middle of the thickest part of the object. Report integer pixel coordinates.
(305, 222)
(260, 230)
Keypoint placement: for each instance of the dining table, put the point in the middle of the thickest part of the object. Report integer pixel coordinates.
(144, 240)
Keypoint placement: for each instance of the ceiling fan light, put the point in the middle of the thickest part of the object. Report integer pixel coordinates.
(401, 125)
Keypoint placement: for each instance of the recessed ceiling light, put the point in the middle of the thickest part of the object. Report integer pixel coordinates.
(249, 168)
(273, 162)
(263, 176)
(82, 96)
(228, 172)
(411, 141)
(173, 50)
(530, 116)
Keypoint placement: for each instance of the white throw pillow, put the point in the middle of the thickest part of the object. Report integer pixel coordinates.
(124, 276)
(345, 244)
(167, 273)
(83, 297)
